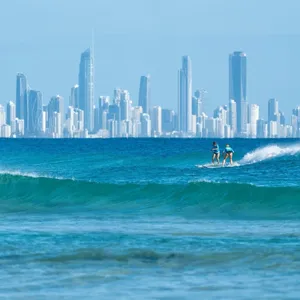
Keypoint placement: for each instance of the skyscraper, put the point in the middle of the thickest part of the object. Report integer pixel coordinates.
(11, 115)
(86, 88)
(232, 116)
(157, 120)
(56, 105)
(238, 88)
(35, 115)
(253, 117)
(21, 94)
(144, 93)
(2, 116)
(185, 95)
(74, 97)
(146, 125)
(168, 120)
(273, 110)
(124, 105)
(197, 106)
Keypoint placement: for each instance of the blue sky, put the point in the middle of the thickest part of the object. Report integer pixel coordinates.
(44, 39)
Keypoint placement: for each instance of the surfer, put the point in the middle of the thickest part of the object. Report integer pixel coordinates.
(228, 152)
(215, 153)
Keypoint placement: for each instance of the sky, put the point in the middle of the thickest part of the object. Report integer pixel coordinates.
(44, 39)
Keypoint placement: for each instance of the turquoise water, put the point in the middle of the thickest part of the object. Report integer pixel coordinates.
(149, 219)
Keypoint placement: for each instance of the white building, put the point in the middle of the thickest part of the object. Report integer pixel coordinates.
(5, 131)
(253, 118)
(157, 120)
(146, 126)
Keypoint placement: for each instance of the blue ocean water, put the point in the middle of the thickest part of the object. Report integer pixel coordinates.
(149, 219)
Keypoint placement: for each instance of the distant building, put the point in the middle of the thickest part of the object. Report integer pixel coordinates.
(238, 88)
(144, 93)
(86, 88)
(185, 95)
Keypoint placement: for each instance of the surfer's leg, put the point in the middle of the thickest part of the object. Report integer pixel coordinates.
(218, 158)
(213, 158)
(225, 157)
(230, 156)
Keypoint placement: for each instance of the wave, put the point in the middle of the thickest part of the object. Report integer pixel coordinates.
(178, 259)
(269, 152)
(23, 194)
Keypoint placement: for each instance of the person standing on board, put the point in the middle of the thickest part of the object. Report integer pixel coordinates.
(228, 153)
(215, 153)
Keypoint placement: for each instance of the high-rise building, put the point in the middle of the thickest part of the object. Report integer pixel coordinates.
(103, 105)
(232, 116)
(125, 105)
(146, 126)
(168, 120)
(35, 115)
(157, 120)
(57, 126)
(273, 129)
(238, 88)
(21, 94)
(185, 95)
(282, 118)
(74, 97)
(261, 129)
(197, 105)
(20, 128)
(144, 93)
(2, 116)
(11, 115)
(6, 131)
(86, 88)
(253, 118)
(56, 105)
(273, 110)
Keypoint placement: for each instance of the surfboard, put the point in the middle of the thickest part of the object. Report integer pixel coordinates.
(215, 166)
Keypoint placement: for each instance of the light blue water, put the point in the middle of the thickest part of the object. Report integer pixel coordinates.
(136, 219)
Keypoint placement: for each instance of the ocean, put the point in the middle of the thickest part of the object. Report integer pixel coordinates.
(149, 219)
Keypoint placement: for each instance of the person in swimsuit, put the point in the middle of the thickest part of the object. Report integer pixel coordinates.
(215, 153)
(228, 153)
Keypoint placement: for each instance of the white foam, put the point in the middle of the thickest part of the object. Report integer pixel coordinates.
(26, 174)
(269, 152)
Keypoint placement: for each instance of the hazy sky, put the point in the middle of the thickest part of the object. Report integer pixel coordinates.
(44, 40)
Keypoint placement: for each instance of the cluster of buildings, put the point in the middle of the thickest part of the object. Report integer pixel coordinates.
(108, 117)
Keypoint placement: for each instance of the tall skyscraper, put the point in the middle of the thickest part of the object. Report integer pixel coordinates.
(144, 93)
(86, 88)
(2, 116)
(21, 94)
(157, 120)
(35, 115)
(11, 115)
(232, 116)
(56, 105)
(197, 106)
(168, 120)
(238, 88)
(74, 97)
(185, 95)
(273, 110)
(124, 105)
(253, 117)
(146, 126)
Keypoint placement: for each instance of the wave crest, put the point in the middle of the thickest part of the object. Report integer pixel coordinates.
(193, 200)
(269, 152)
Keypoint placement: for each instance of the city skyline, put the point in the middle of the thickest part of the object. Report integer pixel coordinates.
(120, 116)
(86, 67)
